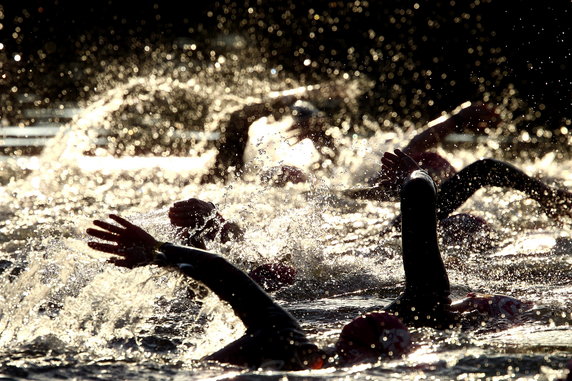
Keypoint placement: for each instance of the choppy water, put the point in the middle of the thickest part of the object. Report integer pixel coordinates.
(65, 313)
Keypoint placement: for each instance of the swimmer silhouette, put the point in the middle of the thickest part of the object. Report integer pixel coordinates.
(454, 188)
(310, 123)
(273, 336)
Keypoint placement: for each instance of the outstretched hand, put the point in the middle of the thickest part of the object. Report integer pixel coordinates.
(476, 117)
(133, 245)
(396, 167)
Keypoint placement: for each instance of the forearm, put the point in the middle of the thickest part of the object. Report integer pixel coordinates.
(230, 284)
(486, 172)
(430, 137)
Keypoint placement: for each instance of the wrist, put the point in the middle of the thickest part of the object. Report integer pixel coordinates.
(156, 251)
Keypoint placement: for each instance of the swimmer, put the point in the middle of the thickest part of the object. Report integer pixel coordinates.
(233, 141)
(309, 123)
(454, 187)
(199, 222)
(273, 336)
(460, 186)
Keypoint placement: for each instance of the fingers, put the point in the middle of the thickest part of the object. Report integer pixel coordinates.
(389, 157)
(109, 227)
(120, 262)
(105, 247)
(389, 160)
(106, 236)
(121, 221)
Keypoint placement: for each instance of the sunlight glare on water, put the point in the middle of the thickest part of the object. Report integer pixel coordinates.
(61, 301)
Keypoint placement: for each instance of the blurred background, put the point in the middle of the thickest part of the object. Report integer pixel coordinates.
(424, 57)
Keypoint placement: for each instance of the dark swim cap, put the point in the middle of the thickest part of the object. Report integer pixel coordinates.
(436, 165)
(273, 276)
(373, 335)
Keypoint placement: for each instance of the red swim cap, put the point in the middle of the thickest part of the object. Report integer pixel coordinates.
(273, 276)
(436, 165)
(373, 335)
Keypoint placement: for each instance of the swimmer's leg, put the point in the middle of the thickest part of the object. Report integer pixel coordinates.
(489, 172)
(426, 298)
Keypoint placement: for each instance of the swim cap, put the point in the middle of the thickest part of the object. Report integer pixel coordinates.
(373, 335)
(273, 276)
(436, 165)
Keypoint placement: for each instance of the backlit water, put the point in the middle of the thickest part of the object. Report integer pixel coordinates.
(66, 313)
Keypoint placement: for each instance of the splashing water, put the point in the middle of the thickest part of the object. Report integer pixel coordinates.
(65, 312)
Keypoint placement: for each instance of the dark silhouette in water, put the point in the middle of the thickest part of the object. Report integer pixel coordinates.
(273, 337)
(310, 123)
(455, 188)
(200, 221)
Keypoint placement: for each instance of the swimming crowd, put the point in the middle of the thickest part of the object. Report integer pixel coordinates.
(429, 190)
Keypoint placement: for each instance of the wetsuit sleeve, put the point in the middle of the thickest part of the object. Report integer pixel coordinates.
(489, 172)
(249, 301)
(430, 137)
(425, 274)
(426, 297)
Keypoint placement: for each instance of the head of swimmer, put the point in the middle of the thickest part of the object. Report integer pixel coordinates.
(308, 122)
(373, 336)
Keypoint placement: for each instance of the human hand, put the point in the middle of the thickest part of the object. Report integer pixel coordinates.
(499, 306)
(193, 213)
(197, 220)
(476, 117)
(133, 245)
(396, 167)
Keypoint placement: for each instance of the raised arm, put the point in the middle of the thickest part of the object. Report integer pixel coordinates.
(272, 336)
(134, 247)
(425, 299)
(471, 117)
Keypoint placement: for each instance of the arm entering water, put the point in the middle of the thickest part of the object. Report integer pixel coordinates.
(272, 334)
(134, 247)
(472, 117)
